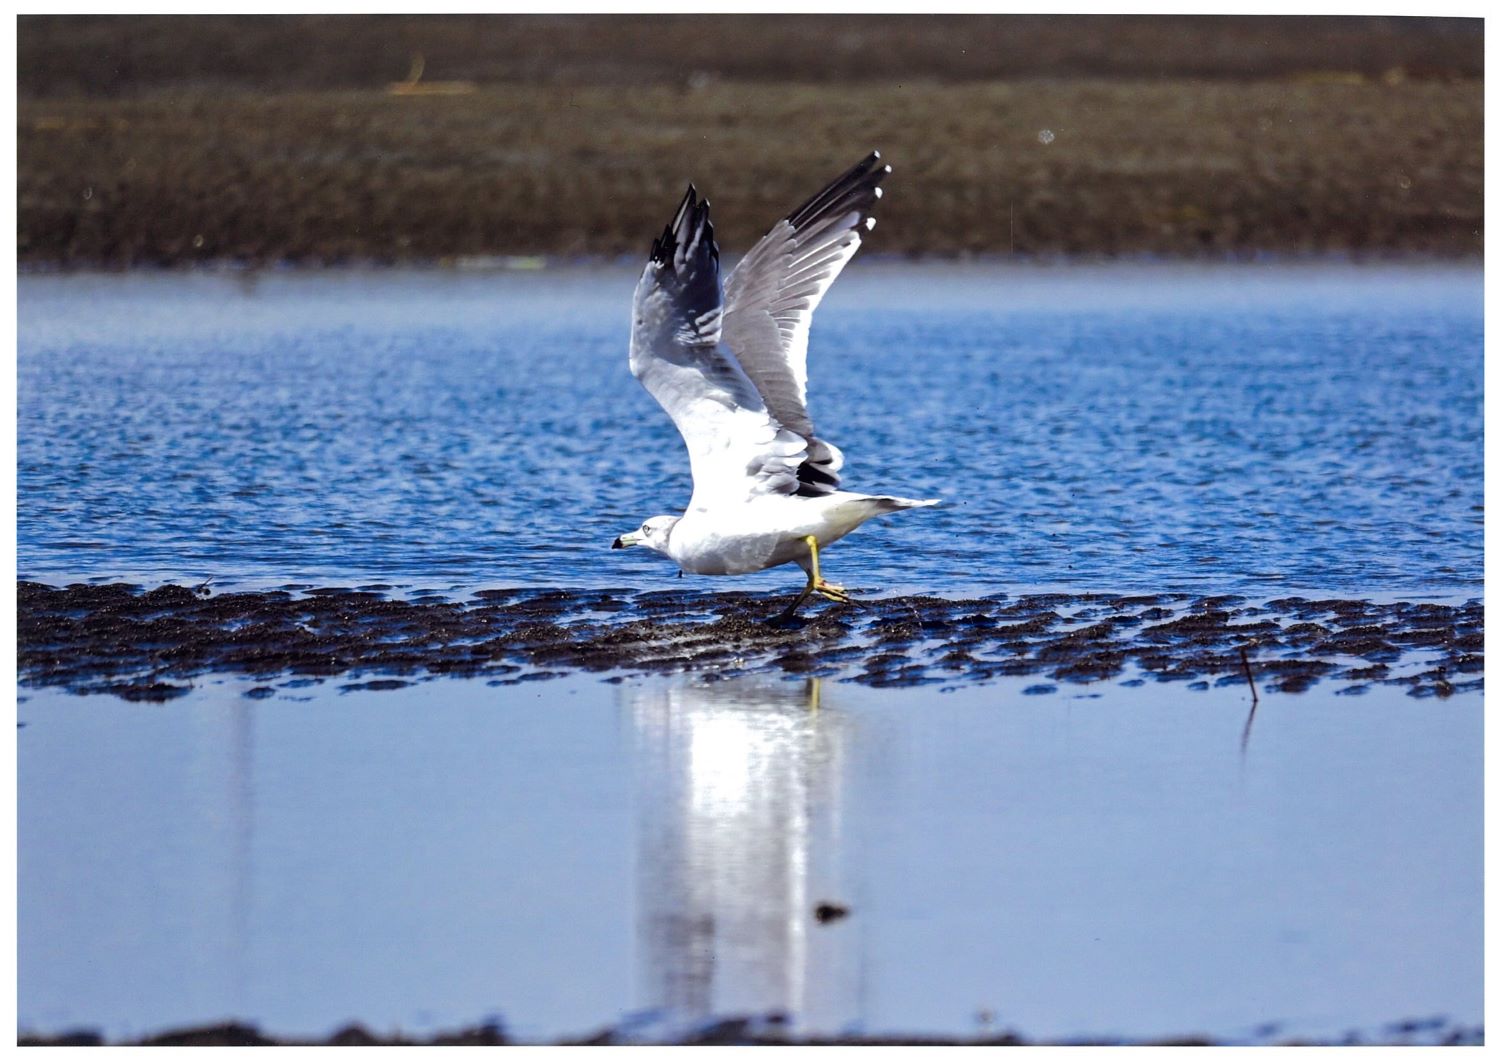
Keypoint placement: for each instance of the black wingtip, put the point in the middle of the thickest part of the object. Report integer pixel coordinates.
(661, 247)
(857, 189)
(690, 218)
(688, 204)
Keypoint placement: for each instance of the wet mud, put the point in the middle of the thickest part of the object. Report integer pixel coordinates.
(768, 1030)
(151, 645)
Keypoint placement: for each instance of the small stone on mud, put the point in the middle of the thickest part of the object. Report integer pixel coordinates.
(828, 912)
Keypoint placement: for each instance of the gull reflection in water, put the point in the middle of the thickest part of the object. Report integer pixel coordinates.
(742, 838)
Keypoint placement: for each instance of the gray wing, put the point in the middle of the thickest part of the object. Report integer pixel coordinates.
(771, 295)
(736, 447)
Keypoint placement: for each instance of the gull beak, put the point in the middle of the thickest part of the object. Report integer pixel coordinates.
(626, 540)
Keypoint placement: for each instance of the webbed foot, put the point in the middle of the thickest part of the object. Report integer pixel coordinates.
(837, 593)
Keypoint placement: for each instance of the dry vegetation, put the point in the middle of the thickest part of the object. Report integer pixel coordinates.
(102, 55)
(168, 170)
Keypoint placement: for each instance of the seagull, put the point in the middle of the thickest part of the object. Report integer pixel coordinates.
(728, 364)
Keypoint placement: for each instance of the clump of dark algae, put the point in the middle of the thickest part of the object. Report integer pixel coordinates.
(150, 645)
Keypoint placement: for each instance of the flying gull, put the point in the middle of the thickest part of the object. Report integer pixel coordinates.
(729, 365)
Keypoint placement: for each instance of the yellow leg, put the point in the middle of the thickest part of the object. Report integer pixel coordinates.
(833, 592)
(816, 584)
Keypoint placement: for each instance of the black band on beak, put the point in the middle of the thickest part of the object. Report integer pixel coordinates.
(618, 544)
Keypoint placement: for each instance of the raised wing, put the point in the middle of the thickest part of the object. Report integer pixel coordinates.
(736, 448)
(770, 296)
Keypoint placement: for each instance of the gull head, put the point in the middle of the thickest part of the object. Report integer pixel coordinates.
(653, 534)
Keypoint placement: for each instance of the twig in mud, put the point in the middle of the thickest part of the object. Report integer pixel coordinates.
(1254, 702)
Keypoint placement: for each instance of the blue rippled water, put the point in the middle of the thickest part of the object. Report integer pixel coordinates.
(1258, 429)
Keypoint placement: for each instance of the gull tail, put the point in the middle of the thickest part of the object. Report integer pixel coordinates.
(859, 507)
(878, 506)
(898, 504)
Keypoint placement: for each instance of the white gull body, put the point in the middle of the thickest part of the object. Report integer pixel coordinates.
(728, 363)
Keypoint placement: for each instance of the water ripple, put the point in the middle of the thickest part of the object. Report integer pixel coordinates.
(1128, 428)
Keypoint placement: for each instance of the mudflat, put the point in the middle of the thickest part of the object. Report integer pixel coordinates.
(138, 645)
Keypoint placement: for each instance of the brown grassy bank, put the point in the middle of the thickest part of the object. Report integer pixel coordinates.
(112, 55)
(1076, 167)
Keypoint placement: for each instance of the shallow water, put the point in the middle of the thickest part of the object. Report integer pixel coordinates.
(1061, 858)
(1257, 429)
(571, 854)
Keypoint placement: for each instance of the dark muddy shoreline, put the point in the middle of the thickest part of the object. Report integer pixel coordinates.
(151, 645)
(766, 1031)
